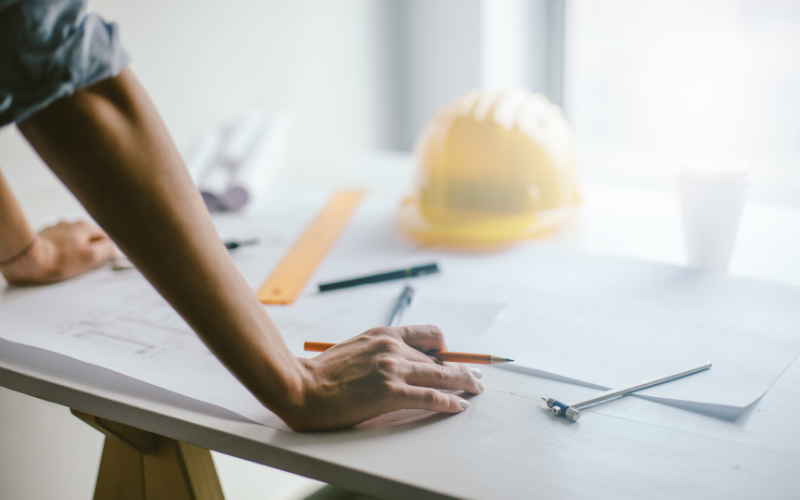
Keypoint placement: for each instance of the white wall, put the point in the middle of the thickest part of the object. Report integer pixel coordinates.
(203, 62)
(444, 56)
(507, 48)
(441, 49)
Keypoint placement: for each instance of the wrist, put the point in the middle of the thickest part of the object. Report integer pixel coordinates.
(34, 264)
(11, 259)
(289, 402)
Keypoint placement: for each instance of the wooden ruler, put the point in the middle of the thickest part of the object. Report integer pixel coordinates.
(288, 279)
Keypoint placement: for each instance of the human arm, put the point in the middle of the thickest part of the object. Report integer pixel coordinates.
(57, 253)
(108, 144)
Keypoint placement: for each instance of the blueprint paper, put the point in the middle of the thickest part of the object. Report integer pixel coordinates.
(603, 321)
(122, 324)
(119, 322)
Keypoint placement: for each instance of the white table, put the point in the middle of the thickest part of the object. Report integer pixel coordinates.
(507, 445)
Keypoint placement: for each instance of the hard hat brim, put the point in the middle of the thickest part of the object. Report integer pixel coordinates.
(490, 231)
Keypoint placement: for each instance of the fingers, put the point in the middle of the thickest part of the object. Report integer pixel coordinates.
(102, 250)
(421, 398)
(452, 377)
(94, 245)
(476, 372)
(89, 231)
(76, 231)
(390, 340)
(81, 245)
(423, 337)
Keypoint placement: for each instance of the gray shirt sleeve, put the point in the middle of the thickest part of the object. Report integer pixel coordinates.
(49, 49)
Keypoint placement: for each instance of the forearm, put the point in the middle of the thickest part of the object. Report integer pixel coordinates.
(15, 232)
(23, 257)
(110, 147)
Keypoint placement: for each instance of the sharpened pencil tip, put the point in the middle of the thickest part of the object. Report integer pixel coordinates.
(509, 360)
(543, 399)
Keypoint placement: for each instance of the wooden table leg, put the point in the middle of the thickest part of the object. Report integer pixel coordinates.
(140, 465)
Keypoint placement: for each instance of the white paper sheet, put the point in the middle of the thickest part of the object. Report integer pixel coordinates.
(337, 316)
(617, 341)
(602, 321)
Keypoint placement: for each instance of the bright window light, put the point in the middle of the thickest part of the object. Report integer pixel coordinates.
(651, 83)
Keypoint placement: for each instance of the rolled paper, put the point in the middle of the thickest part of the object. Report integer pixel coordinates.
(232, 169)
(203, 154)
(250, 180)
(242, 139)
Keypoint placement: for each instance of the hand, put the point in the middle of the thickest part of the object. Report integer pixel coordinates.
(62, 252)
(381, 370)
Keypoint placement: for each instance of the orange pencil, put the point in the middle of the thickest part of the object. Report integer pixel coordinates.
(455, 357)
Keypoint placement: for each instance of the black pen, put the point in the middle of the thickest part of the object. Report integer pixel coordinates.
(380, 278)
(233, 245)
(123, 264)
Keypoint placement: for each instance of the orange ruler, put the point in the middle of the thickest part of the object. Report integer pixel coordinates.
(288, 279)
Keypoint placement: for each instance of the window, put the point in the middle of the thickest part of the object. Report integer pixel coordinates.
(649, 83)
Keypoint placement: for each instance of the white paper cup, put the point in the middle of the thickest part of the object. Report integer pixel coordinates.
(712, 192)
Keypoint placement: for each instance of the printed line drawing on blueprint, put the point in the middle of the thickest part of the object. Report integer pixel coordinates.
(121, 323)
(148, 329)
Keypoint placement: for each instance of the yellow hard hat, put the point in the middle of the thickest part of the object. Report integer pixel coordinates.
(492, 168)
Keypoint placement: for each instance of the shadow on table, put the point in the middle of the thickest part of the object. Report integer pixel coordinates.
(335, 493)
(731, 414)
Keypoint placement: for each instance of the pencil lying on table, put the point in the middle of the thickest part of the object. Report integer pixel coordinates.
(454, 357)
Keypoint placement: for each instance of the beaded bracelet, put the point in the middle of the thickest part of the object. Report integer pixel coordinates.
(25, 251)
